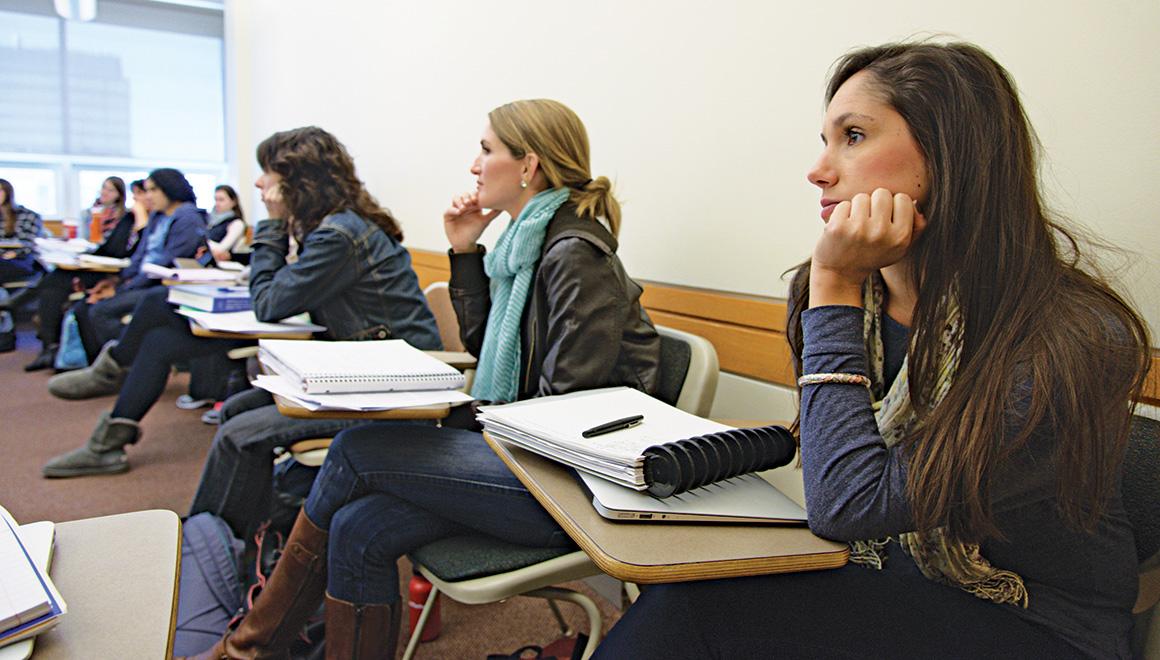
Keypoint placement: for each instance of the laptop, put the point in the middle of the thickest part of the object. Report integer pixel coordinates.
(744, 499)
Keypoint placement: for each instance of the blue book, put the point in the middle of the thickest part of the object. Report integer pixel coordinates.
(211, 298)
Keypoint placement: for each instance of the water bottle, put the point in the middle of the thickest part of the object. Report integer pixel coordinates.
(418, 593)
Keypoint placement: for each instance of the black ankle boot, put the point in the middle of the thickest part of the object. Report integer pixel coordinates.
(45, 360)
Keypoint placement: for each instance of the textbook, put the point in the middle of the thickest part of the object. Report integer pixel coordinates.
(388, 365)
(635, 440)
(29, 602)
(211, 298)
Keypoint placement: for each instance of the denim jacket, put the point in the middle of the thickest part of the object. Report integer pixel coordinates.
(184, 235)
(350, 275)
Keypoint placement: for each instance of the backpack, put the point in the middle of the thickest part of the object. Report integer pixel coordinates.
(221, 576)
(210, 590)
(71, 354)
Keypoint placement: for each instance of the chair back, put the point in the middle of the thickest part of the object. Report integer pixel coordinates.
(688, 371)
(1141, 494)
(1141, 485)
(439, 300)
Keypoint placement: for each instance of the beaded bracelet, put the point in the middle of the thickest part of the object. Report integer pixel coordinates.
(845, 379)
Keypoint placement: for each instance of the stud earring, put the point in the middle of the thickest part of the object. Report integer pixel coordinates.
(523, 184)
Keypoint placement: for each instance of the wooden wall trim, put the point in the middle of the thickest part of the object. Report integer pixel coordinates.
(746, 330)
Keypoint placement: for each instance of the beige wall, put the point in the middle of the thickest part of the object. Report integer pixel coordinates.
(706, 114)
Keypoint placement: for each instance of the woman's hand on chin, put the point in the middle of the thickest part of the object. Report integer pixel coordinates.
(465, 220)
(863, 234)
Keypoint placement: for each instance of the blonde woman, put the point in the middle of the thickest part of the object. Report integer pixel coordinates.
(549, 310)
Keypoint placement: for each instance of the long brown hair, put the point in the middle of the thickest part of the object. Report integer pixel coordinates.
(556, 135)
(8, 208)
(1039, 328)
(318, 179)
(233, 195)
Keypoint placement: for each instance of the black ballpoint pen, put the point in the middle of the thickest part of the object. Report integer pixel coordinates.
(614, 425)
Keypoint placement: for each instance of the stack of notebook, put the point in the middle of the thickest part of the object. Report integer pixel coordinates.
(357, 375)
(29, 602)
(643, 459)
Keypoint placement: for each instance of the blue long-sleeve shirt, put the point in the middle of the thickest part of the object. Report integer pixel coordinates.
(1081, 586)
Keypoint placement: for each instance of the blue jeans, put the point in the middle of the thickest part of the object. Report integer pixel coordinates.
(160, 337)
(236, 481)
(385, 491)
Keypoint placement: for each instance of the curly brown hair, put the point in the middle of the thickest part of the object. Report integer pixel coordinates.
(318, 179)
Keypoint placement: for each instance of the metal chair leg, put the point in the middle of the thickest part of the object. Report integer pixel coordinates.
(417, 633)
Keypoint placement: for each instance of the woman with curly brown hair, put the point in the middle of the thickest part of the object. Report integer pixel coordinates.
(966, 391)
(352, 276)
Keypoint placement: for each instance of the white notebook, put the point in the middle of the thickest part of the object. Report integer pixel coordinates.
(328, 367)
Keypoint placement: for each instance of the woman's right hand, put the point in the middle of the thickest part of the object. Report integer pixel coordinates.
(464, 222)
(106, 288)
(140, 216)
(865, 234)
(272, 198)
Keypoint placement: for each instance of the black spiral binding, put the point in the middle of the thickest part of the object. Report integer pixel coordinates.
(677, 467)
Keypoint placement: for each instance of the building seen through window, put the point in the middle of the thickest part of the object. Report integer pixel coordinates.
(139, 87)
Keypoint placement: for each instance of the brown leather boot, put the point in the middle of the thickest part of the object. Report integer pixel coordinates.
(290, 596)
(356, 631)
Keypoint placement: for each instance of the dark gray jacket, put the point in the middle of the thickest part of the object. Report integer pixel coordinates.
(583, 326)
(351, 276)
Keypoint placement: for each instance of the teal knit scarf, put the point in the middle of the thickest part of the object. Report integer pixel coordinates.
(510, 266)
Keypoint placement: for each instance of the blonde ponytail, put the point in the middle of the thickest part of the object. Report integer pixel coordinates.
(595, 199)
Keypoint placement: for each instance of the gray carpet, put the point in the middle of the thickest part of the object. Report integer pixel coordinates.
(166, 465)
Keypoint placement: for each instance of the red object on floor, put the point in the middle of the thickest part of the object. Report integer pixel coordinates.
(419, 591)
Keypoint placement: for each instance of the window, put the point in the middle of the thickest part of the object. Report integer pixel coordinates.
(140, 87)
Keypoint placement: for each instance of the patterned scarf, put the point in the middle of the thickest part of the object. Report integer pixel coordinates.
(510, 266)
(940, 559)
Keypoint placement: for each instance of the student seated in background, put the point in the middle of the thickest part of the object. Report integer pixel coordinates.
(175, 229)
(352, 276)
(227, 223)
(53, 290)
(965, 398)
(107, 210)
(21, 225)
(372, 292)
(550, 310)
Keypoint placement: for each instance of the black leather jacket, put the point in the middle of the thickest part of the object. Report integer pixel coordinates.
(583, 326)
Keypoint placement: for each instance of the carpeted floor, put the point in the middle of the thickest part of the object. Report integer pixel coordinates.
(166, 465)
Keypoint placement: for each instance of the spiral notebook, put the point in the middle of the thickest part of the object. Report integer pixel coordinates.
(331, 367)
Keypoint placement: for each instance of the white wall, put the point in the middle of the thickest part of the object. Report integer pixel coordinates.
(706, 114)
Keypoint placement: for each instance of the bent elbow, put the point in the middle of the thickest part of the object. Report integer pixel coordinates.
(837, 524)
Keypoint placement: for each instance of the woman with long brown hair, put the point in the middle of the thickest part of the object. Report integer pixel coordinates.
(965, 388)
(352, 276)
(227, 223)
(107, 210)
